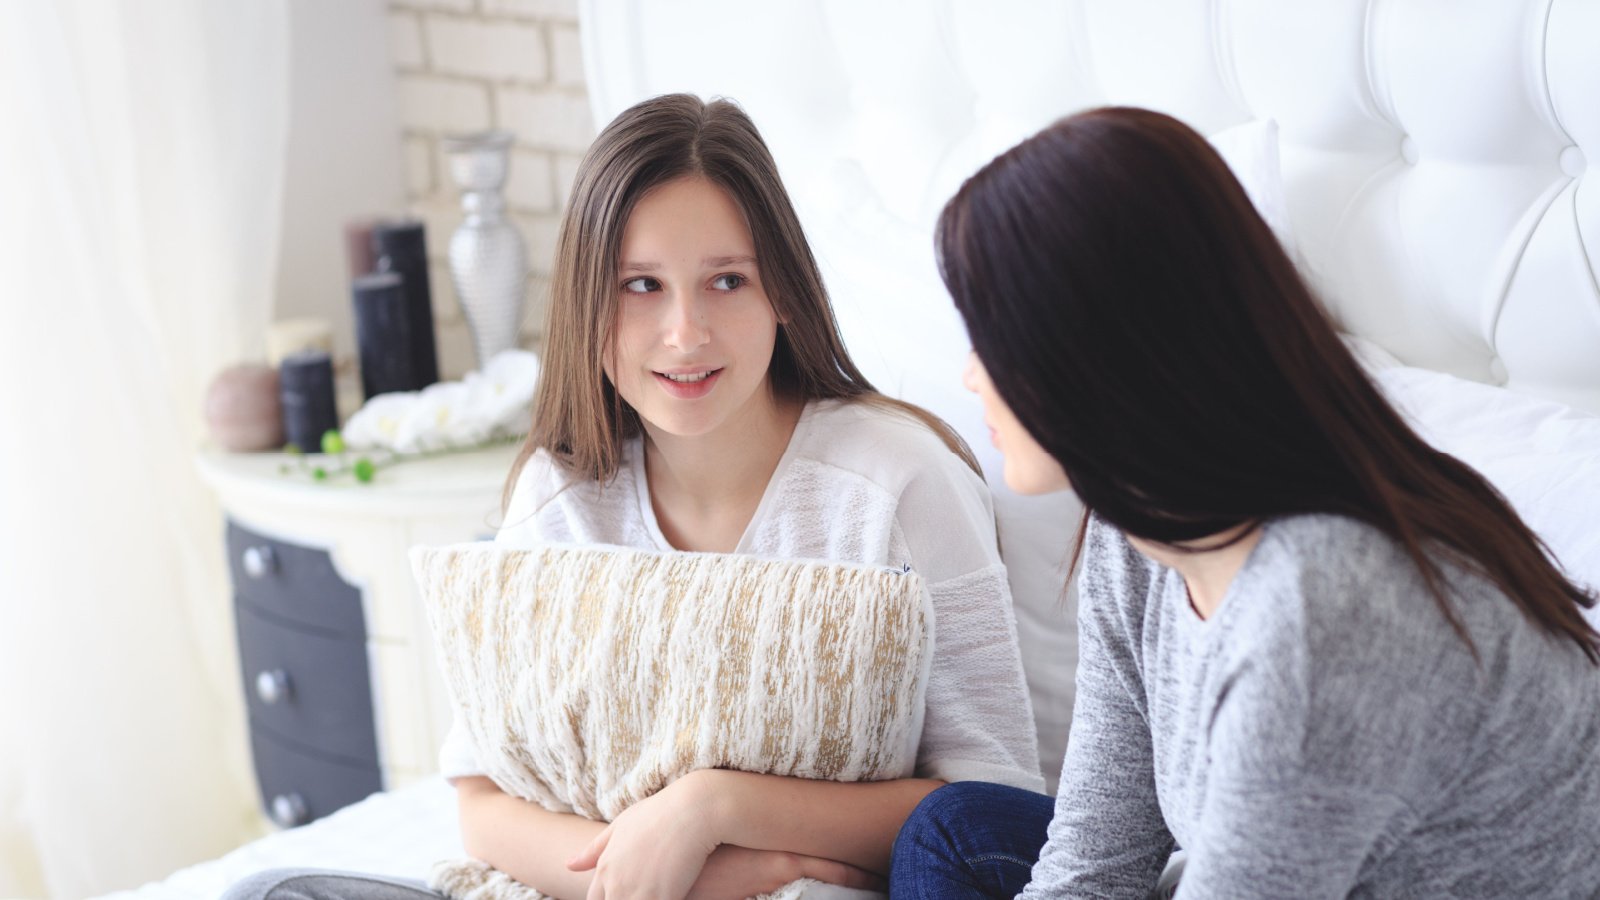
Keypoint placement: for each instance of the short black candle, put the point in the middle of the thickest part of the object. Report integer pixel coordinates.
(402, 248)
(385, 340)
(305, 386)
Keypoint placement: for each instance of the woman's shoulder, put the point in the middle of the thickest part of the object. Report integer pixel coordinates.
(1317, 569)
(1331, 561)
(1115, 579)
(1349, 595)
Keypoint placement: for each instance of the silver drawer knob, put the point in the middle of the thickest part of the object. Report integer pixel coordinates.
(273, 685)
(289, 810)
(259, 561)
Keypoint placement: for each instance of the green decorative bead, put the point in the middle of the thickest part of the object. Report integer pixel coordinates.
(364, 470)
(319, 473)
(332, 441)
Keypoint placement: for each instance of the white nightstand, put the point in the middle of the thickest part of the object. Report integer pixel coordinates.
(324, 600)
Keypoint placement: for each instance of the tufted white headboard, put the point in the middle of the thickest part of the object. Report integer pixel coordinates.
(1432, 156)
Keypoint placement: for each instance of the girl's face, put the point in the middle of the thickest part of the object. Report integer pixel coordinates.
(1029, 469)
(695, 330)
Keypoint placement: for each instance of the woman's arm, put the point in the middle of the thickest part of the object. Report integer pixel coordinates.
(1108, 838)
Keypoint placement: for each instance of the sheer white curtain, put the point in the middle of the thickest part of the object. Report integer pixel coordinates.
(141, 168)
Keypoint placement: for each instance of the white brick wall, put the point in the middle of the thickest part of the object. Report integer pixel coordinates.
(468, 65)
(437, 106)
(550, 118)
(494, 51)
(534, 9)
(566, 55)
(405, 42)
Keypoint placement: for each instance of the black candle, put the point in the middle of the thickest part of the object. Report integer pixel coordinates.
(305, 386)
(385, 340)
(359, 253)
(402, 248)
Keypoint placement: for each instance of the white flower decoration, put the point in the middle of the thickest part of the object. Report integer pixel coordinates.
(494, 403)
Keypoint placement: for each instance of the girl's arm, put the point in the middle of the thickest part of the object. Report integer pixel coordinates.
(534, 846)
(853, 823)
(522, 839)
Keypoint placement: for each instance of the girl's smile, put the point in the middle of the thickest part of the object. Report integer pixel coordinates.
(691, 384)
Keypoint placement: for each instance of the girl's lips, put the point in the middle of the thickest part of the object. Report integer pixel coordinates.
(692, 390)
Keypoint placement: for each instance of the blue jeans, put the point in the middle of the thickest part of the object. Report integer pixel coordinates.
(970, 839)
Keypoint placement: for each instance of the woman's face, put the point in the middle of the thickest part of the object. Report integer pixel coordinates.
(1029, 469)
(695, 330)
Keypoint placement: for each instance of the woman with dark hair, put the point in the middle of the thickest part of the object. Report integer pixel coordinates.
(1318, 655)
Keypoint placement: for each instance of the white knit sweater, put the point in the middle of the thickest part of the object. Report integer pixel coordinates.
(857, 484)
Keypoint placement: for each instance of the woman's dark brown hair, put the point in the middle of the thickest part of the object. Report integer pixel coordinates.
(1149, 331)
(578, 417)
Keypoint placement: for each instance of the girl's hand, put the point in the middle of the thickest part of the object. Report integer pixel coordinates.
(735, 873)
(657, 848)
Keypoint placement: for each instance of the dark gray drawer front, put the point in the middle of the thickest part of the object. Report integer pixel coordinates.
(306, 688)
(293, 584)
(298, 787)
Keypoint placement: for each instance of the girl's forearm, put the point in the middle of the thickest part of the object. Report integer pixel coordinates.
(855, 823)
(524, 840)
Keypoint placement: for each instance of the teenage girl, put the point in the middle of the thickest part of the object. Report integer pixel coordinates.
(695, 395)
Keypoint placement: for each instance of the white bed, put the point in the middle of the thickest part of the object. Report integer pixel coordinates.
(1427, 166)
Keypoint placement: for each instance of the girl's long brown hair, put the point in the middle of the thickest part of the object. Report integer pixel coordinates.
(1149, 331)
(578, 417)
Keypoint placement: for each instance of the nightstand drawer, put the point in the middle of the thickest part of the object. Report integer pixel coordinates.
(297, 787)
(309, 689)
(293, 584)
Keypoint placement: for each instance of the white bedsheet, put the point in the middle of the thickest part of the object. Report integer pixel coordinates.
(402, 832)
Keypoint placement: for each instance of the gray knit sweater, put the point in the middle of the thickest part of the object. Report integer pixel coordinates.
(1324, 734)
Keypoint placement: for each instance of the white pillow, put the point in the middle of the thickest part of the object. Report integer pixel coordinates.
(1251, 151)
(1543, 456)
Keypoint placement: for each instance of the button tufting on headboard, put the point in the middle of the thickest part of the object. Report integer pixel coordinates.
(1432, 153)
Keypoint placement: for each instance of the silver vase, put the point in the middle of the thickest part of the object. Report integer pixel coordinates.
(488, 259)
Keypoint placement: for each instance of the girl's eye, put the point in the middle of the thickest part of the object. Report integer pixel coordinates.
(730, 282)
(641, 285)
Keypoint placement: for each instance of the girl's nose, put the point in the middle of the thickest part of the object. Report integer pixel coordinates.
(686, 328)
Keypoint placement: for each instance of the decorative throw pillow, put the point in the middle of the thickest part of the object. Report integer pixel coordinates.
(591, 677)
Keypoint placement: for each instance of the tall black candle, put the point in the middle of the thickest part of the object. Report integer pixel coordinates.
(402, 248)
(385, 339)
(305, 386)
